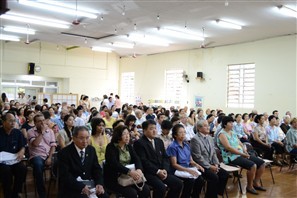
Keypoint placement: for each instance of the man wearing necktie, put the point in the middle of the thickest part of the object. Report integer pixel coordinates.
(79, 160)
(155, 162)
(203, 153)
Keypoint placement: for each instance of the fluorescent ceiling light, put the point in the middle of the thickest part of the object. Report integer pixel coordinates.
(58, 7)
(287, 11)
(151, 40)
(101, 49)
(35, 20)
(227, 24)
(123, 45)
(9, 38)
(181, 34)
(18, 30)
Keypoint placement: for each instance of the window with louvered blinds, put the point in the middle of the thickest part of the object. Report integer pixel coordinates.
(241, 86)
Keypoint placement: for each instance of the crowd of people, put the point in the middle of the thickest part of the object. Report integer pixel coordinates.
(173, 149)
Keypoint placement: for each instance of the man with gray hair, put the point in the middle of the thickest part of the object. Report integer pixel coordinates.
(78, 167)
(203, 153)
(285, 126)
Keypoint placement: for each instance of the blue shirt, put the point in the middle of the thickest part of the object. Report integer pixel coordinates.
(238, 129)
(182, 154)
(12, 142)
(59, 122)
(291, 139)
(272, 134)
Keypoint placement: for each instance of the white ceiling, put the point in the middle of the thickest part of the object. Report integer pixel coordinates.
(258, 17)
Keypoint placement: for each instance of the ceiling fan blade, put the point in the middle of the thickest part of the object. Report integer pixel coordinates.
(72, 47)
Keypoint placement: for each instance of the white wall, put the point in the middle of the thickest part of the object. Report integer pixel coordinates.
(276, 73)
(83, 70)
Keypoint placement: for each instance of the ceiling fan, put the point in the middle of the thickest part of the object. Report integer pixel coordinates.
(77, 21)
(28, 41)
(203, 44)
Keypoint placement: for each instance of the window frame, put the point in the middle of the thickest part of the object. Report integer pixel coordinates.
(241, 85)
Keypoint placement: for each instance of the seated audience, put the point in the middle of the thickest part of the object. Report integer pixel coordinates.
(79, 161)
(285, 125)
(29, 124)
(155, 163)
(274, 140)
(12, 140)
(180, 157)
(291, 137)
(238, 129)
(247, 127)
(165, 135)
(189, 129)
(203, 153)
(160, 118)
(108, 119)
(42, 144)
(99, 139)
(259, 139)
(192, 118)
(65, 135)
(120, 153)
(234, 153)
(130, 123)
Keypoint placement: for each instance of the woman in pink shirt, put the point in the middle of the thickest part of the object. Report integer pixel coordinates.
(118, 103)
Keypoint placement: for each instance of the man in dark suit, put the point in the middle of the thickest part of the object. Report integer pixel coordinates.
(156, 162)
(12, 176)
(79, 160)
(203, 153)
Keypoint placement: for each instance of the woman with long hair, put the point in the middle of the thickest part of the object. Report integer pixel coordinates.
(29, 123)
(99, 139)
(65, 135)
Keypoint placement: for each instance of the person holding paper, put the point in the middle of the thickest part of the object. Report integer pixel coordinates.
(203, 153)
(180, 157)
(76, 162)
(12, 141)
(119, 154)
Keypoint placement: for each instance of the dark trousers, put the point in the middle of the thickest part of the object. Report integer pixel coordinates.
(279, 149)
(267, 152)
(12, 174)
(174, 184)
(216, 183)
(130, 191)
(192, 187)
(38, 168)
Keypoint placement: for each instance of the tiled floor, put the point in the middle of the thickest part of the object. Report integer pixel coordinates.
(285, 185)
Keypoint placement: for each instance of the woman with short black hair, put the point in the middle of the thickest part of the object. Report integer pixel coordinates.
(233, 152)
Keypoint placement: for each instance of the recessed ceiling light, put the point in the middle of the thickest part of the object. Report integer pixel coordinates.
(227, 24)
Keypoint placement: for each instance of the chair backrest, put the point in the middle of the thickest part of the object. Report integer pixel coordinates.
(219, 154)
